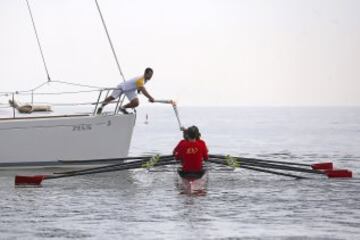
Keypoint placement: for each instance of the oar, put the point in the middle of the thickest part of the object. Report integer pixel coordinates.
(274, 166)
(143, 161)
(315, 166)
(36, 180)
(257, 169)
(105, 160)
(173, 103)
(331, 173)
(181, 127)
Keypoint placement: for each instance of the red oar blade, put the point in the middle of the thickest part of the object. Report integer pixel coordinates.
(322, 166)
(339, 173)
(29, 180)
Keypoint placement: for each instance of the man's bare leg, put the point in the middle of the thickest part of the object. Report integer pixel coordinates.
(105, 102)
(132, 104)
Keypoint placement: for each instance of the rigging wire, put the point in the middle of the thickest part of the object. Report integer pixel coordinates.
(110, 42)
(32, 91)
(43, 57)
(38, 41)
(57, 93)
(79, 85)
(121, 100)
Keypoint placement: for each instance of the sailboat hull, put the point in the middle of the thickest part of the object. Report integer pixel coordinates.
(53, 141)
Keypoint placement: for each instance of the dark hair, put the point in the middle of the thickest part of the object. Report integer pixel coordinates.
(193, 133)
(185, 135)
(147, 70)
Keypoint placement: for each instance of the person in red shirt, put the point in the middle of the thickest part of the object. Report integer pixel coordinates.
(191, 151)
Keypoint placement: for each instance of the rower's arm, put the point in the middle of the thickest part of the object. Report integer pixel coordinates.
(143, 90)
(205, 154)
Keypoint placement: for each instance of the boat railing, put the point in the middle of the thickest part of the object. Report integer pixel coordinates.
(56, 103)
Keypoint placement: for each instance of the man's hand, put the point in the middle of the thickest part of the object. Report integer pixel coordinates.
(151, 99)
(99, 110)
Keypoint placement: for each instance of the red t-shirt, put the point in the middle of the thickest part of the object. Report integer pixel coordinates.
(178, 147)
(191, 155)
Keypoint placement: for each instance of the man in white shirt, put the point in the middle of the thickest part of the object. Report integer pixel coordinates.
(130, 88)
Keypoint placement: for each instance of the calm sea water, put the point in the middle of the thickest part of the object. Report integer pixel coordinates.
(238, 205)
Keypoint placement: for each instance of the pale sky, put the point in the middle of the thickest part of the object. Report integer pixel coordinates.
(203, 52)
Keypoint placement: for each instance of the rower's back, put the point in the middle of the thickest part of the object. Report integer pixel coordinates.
(192, 152)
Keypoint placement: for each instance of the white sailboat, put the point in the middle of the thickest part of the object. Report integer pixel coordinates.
(44, 141)
(61, 139)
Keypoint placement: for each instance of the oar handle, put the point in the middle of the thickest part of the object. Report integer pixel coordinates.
(165, 101)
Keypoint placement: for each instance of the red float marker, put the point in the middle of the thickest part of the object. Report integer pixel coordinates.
(29, 180)
(339, 173)
(322, 166)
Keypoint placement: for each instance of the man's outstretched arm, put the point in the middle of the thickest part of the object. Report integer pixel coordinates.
(143, 90)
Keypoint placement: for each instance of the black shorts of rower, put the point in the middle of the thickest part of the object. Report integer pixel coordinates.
(193, 175)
